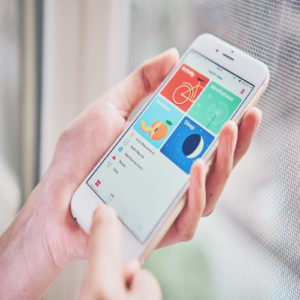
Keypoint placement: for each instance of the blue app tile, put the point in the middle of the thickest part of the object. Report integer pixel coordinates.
(188, 142)
(157, 121)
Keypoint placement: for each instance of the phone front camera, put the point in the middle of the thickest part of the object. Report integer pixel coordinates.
(217, 50)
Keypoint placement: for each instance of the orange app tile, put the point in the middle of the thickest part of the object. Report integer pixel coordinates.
(184, 87)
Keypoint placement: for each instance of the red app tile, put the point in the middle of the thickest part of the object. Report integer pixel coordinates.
(184, 87)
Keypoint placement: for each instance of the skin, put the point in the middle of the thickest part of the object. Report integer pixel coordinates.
(107, 280)
(44, 238)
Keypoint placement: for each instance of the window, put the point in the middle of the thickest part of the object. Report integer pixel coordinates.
(249, 248)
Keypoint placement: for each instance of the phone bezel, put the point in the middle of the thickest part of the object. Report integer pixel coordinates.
(85, 201)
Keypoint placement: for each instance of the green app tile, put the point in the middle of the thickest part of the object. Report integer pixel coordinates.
(214, 107)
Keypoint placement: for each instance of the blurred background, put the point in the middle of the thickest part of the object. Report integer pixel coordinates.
(57, 56)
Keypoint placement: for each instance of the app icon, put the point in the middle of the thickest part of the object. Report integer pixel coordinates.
(214, 107)
(157, 121)
(157, 131)
(184, 87)
(193, 145)
(98, 182)
(188, 142)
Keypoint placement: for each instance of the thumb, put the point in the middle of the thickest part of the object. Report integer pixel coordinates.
(143, 81)
(145, 286)
(129, 271)
(104, 272)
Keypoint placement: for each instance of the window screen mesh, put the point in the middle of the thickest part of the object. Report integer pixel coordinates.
(261, 204)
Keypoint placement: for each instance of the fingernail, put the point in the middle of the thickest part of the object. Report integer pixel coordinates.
(259, 119)
(234, 140)
(201, 173)
(231, 122)
(174, 50)
(134, 265)
(233, 145)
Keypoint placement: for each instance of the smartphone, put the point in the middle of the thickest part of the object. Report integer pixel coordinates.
(144, 176)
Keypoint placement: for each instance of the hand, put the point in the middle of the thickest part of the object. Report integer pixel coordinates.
(87, 139)
(106, 278)
(205, 189)
(45, 224)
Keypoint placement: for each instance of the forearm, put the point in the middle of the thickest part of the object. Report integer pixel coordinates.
(26, 266)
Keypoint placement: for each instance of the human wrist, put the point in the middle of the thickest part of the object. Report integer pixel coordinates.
(26, 268)
(26, 261)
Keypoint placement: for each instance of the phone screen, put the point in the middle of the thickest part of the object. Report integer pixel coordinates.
(148, 167)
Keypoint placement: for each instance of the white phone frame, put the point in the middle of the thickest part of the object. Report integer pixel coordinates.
(85, 201)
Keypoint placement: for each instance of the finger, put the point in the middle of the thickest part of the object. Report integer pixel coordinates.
(186, 223)
(248, 127)
(105, 264)
(143, 81)
(145, 286)
(130, 270)
(222, 167)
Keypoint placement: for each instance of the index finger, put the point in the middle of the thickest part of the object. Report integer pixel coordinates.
(248, 127)
(105, 259)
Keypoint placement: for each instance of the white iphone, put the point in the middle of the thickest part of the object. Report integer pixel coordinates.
(144, 176)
